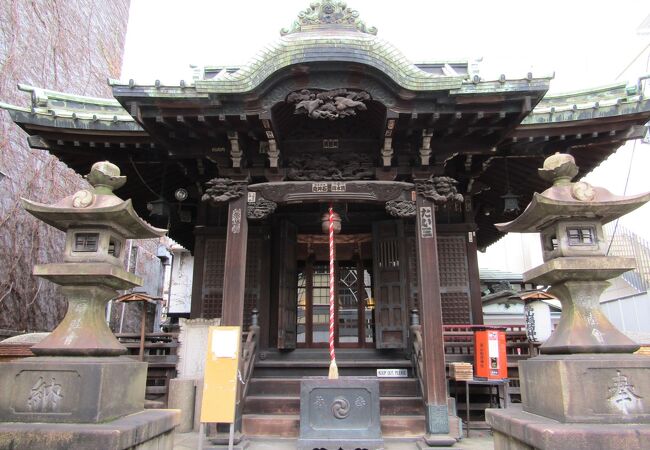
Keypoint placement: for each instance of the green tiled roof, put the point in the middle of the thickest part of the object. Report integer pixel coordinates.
(63, 110)
(332, 44)
(605, 101)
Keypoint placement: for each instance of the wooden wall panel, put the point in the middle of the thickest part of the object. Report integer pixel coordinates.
(454, 276)
(213, 272)
(454, 279)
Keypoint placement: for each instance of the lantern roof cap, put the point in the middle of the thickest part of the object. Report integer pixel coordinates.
(567, 200)
(97, 206)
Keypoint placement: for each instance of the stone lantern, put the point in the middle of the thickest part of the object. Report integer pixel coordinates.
(97, 224)
(570, 217)
(586, 387)
(78, 377)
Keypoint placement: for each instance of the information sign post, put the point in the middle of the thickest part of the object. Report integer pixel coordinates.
(220, 381)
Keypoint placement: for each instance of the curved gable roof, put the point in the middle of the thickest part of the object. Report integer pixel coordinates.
(331, 44)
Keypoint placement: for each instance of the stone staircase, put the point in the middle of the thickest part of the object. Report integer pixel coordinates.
(272, 406)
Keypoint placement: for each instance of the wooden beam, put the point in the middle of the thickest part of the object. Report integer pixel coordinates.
(234, 278)
(196, 308)
(476, 304)
(433, 353)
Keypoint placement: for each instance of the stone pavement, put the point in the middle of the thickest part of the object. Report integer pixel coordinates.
(478, 441)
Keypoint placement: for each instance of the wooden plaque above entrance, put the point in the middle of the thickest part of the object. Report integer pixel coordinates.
(327, 191)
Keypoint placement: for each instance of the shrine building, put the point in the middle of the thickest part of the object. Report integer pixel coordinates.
(419, 161)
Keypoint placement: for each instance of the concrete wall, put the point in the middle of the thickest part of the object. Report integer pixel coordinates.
(180, 292)
(125, 318)
(70, 46)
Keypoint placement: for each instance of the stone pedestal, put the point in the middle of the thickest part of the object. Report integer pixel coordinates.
(146, 430)
(581, 401)
(342, 414)
(71, 389)
(515, 429)
(587, 388)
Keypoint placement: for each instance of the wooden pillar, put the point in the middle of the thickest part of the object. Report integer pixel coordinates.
(434, 382)
(476, 303)
(234, 280)
(196, 305)
(196, 308)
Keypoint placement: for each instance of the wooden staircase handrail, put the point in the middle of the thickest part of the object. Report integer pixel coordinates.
(249, 356)
(416, 357)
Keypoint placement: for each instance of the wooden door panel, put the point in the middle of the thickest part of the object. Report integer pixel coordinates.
(390, 282)
(288, 286)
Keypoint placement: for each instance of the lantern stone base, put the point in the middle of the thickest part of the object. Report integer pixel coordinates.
(578, 402)
(145, 430)
(587, 388)
(514, 429)
(71, 389)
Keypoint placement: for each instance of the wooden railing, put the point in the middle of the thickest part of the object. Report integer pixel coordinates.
(459, 347)
(249, 354)
(459, 343)
(160, 354)
(416, 355)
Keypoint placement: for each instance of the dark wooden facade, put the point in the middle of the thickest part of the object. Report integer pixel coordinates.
(415, 159)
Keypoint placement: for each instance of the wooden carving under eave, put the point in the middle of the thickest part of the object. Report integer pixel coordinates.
(333, 104)
(335, 167)
(236, 153)
(440, 190)
(425, 150)
(370, 191)
(273, 154)
(401, 208)
(261, 209)
(387, 151)
(222, 190)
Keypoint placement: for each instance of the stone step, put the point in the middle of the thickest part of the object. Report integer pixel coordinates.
(343, 356)
(320, 368)
(288, 425)
(290, 387)
(274, 405)
(308, 362)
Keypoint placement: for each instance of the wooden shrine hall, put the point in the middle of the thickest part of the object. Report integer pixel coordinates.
(418, 160)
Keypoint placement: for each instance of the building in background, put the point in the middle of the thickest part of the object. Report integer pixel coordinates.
(70, 46)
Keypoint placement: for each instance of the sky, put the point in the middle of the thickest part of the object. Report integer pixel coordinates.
(584, 43)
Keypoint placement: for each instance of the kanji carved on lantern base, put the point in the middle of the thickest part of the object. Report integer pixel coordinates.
(220, 190)
(334, 104)
(440, 190)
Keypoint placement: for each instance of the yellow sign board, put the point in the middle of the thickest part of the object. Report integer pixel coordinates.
(220, 382)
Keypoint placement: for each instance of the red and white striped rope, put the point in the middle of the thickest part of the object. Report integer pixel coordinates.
(331, 242)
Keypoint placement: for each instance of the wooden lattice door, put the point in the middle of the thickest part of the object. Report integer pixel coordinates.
(390, 284)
